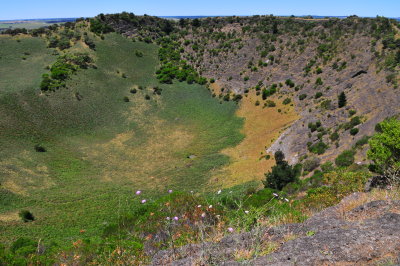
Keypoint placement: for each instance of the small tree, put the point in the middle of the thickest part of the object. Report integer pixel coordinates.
(385, 146)
(282, 173)
(342, 101)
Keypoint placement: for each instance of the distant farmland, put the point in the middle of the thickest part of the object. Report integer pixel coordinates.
(32, 23)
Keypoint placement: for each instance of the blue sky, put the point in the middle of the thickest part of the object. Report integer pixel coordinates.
(21, 9)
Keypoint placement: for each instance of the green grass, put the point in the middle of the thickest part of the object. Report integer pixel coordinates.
(100, 149)
(22, 62)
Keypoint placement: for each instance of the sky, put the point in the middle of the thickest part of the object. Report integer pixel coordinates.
(30, 9)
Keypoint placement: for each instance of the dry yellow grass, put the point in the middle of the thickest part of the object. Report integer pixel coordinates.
(18, 178)
(9, 217)
(262, 126)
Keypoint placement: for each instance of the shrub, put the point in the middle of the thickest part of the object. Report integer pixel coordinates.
(318, 71)
(302, 96)
(287, 101)
(354, 131)
(289, 83)
(361, 142)
(126, 99)
(270, 103)
(318, 148)
(338, 184)
(342, 101)
(318, 95)
(310, 164)
(345, 159)
(138, 53)
(319, 81)
(39, 148)
(26, 216)
(352, 112)
(147, 97)
(246, 78)
(334, 136)
(133, 91)
(282, 173)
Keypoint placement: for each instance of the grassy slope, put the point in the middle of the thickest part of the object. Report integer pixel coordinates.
(101, 149)
(17, 73)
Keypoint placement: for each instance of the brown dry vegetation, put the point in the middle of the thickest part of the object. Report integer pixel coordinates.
(261, 127)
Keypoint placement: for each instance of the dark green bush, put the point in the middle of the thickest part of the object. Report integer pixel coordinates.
(282, 173)
(39, 148)
(318, 148)
(302, 96)
(342, 101)
(26, 216)
(318, 95)
(354, 131)
(345, 159)
(126, 99)
(287, 101)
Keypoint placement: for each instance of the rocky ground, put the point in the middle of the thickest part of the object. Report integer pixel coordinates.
(340, 235)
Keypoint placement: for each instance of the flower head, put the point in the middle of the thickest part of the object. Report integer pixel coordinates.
(219, 192)
(168, 218)
(230, 229)
(143, 201)
(275, 195)
(203, 215)
(176, 218)
(198, 206)
(210, 206)
(170, 191)
(246, 212)
(138, 192)
(286, 200)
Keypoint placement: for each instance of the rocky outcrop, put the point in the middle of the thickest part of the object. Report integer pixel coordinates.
(365, 235)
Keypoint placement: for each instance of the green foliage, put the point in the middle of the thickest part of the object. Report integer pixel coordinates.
(282, 173)
(319, 82)
(338, 184)
(352, 112)
(334, 136)
(354, 131)
(289, 83)
(345, 159)
(318, 95)
(62, 69)
(269, 92)
(318, 148)
(385, 145)
(26, 216)
(270, 103)
(302, 96)
(311, 164)
(342, 100)
(172, 67)
(98, 27)
(286, 101)
(361, 142)
(354, 121)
